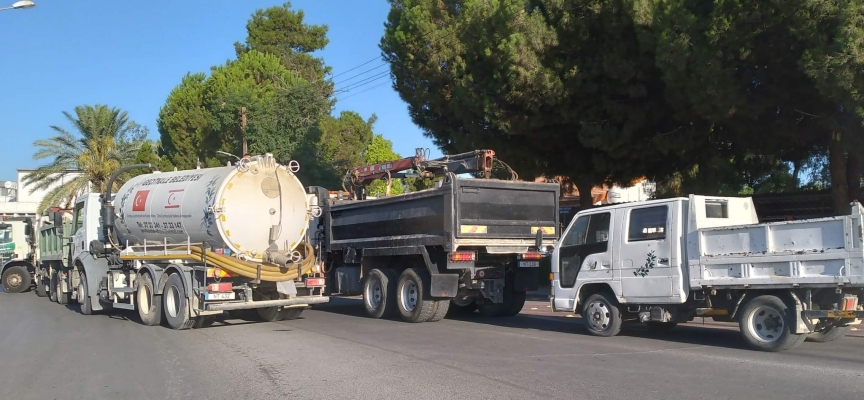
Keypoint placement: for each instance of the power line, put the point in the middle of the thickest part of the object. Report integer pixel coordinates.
(367, 62)
(363, 82)
(368, 70)
(363, 91)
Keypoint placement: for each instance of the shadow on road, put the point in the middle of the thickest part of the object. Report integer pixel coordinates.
(684, 334)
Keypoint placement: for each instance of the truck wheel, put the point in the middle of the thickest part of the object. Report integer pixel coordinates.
(411, 296)
(42, 287)
(379, 293)
(601, 315)
(175, 304)
(657, 326)
(457, 310)
(52, 286)
(62, 297)
(16, 279)
(84, 295)
(441, 307)
(149, 304)
(289, 314)
(830, 334)
(766, 325)
(517, 301)
(269, 314)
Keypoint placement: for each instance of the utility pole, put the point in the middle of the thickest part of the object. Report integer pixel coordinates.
(243, 130)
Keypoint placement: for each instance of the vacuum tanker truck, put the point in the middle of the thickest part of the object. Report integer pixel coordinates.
(185, 246)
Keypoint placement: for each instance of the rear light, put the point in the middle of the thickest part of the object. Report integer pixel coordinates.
(219, 287)
(551, 276)
(314, 282)
(463, 256)
(531, 256)
(218, 273)
(850, 303)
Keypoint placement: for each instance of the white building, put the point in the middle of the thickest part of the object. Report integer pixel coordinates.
(19, 200)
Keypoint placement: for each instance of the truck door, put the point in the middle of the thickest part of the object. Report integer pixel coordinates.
(645, 251)
(584, 256)
(78, 233)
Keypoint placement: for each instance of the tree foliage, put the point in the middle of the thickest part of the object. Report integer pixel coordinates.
(719, 96)
(381, 150)
(334, 147)
(102, 140)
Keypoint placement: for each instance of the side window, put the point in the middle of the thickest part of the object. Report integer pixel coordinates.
(648, 224)
(79, 217)
(589, 235)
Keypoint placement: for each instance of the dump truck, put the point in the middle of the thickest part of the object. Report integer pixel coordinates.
(470, 243)
(17, 255)
(663, 262)
(189, 245)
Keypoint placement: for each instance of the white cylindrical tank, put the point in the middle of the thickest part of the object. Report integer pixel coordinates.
(230, 208)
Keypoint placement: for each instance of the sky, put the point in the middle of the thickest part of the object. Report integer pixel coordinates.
(131, 54)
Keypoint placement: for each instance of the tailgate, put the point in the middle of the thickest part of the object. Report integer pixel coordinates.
(505, 209)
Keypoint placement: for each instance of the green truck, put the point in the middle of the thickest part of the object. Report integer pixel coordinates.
(27, 261)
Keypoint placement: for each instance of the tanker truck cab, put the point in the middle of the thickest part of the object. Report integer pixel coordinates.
(664, 262)
(186, 246)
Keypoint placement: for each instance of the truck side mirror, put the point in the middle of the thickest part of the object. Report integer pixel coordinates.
(57, 221)
(28, 229)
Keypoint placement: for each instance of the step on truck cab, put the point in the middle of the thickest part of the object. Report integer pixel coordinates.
(663, 262)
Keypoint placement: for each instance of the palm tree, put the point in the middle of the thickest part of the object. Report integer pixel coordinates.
(105, 140)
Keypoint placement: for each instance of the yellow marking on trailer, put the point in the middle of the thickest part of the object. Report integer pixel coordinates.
(237, 245)
(227, 233)
(239, 174)
(547, 230)
(841, 314)
(230, 185)
(223, 217)
(474, 229)
(223, 202)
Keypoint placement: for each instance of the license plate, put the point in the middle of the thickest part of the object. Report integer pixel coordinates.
(529, 264)
(219, 296)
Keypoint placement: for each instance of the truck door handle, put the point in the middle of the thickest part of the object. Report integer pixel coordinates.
(663, 261)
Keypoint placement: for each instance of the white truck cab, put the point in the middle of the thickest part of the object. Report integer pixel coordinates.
(667, 261)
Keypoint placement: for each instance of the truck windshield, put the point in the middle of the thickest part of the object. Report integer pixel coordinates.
(6, 235)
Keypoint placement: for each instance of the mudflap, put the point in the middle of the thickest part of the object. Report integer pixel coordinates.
(443, 285)
(526, 279)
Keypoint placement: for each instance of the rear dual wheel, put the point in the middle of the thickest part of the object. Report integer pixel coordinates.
(386, 293)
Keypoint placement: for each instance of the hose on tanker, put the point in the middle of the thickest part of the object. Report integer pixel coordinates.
(269, 272)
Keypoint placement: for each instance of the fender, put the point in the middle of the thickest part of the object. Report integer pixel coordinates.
(15, 262)
(182, 270)
(94, 269)
(156, 272)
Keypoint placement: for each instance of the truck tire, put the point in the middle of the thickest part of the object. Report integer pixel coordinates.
(516, 303)
(601, 315)
(411, 297)
(175, 304)
(52, 286)
(379, 293)
(62, 297)
(269, 314)
(43, 287)
(766, 325)
(84, 294)
(289, 314)
(830, 334)
(16, 279)
(149, 304)
(461, 311)
(441, 307)
(657, 326)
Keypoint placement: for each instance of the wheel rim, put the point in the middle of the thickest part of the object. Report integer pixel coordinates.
(82, 294)
(13, 280)
(374, 294)
(765, 324)
(144, 299)
(409, 295)
(172, 302)
(599, 315)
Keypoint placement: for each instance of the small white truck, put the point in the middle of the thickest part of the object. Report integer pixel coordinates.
(662, 262)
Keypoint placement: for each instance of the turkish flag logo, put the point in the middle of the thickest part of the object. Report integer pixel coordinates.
(140, 202)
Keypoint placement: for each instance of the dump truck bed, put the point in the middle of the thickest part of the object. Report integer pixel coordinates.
(498, 214)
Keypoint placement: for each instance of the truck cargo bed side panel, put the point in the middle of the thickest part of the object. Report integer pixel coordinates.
(505, 209)
(814, 252)
(416, 219)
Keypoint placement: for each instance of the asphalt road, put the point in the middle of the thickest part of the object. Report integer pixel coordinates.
(49, 351)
